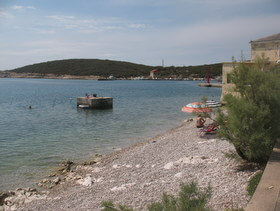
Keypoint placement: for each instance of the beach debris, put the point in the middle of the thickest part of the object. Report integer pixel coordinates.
(138, 166)
(122, 187)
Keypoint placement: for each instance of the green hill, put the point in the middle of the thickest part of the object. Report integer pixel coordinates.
(105, 68)
(84, 67)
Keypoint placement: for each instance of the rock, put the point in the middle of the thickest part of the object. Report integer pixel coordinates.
(178, 175)
(90, 162)
(88, 181)
(168, 165)
(3, 196)
(53, 175)
(56, 180)
(45, 181)
(66, 166)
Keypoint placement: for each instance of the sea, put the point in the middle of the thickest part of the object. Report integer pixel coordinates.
(34, 141)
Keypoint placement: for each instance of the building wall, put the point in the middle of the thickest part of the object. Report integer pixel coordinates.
(270, 50)
(227, 85)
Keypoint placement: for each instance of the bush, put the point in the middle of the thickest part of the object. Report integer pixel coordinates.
(251, 120)
(190, 198)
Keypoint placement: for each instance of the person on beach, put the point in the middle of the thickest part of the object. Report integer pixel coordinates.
(200, 121)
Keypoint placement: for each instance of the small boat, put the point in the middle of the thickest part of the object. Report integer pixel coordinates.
(196, 107)
(212, 104)
(84, 106)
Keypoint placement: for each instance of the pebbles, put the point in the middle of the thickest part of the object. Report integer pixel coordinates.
(138, 175)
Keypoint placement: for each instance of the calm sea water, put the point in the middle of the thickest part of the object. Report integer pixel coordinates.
(32, 142)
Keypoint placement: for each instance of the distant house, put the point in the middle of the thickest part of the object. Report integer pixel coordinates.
(154, 73)
(267, 47)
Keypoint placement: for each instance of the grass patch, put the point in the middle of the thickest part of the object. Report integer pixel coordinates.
(253, 183)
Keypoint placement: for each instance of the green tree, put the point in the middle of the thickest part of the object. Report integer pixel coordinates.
(250, 120)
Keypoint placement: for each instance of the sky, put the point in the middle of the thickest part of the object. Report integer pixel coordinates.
(179, 32)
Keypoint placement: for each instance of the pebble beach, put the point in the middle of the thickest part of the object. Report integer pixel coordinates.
(138, 175)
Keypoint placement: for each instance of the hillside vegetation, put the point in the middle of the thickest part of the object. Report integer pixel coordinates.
(105, 68)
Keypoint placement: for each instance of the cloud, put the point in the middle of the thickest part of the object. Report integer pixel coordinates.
(61, 18)
(93, 25)
(137, 26)
(4, 14)
(46, 31)
(18, 7)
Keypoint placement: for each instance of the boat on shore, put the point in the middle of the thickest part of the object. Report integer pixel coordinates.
(212, 104)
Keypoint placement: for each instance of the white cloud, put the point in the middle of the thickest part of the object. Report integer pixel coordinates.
(46, 31)
(61, 18)
(137, 26)
(19, 7)
(93, 25)
(4, 14)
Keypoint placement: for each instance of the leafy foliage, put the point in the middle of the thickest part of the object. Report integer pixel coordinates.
(253, 183)
(190, 198)
(251, 120)
(105, 68)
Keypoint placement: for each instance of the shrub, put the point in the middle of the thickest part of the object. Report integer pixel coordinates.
(251, 120)
(190, 198)
(253, 183)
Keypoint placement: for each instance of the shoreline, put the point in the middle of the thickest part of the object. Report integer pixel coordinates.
(13, 75)
(137, 175)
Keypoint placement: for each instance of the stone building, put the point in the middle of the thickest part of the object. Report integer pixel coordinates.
(267, 47)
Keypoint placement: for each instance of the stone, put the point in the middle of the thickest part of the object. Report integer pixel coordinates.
(86, 181)
(3, 196)
(90, 162)
(56, 180)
